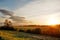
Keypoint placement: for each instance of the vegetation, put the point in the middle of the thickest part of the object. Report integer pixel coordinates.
(37, 31)
(1, 38)
(21, 30)
(34, 29)
(28, 31)
(7, 28)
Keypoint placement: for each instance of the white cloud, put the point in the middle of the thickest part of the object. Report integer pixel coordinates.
(39, 8)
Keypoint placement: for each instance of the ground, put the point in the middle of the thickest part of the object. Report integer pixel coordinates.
(14, 35)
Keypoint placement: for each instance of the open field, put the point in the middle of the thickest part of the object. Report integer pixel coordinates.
(13, 35)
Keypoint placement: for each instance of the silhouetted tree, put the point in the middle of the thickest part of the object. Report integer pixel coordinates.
(7, 23)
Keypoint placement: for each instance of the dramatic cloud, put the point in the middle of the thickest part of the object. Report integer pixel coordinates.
(6, 12)
(12, 16)
(17, 18)
(36, 10)
(40, 10)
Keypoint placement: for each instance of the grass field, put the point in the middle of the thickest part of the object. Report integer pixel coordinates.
(13, 35)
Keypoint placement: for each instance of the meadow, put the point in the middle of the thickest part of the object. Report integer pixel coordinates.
(30, 32)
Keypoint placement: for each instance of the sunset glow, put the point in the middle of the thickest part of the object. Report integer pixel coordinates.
(52, 21)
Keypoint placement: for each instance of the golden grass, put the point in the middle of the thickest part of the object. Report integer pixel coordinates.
(9, 36)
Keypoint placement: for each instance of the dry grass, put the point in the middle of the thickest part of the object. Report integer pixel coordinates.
(9, 36)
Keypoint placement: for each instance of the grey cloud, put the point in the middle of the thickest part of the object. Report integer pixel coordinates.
(17, 18)
(6, 12)
(13, 17)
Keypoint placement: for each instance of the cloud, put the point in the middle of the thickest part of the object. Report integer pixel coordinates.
(36, 9)
(17, 18)
(33, 9)
(6, 12)
(12, 16)
(40, 7)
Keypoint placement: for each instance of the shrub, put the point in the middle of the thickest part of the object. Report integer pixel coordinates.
(36, 31)
(28, 31)
(7, 28)
(21, 30)
(1, 38)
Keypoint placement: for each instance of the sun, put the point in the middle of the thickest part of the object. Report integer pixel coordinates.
(52, 21)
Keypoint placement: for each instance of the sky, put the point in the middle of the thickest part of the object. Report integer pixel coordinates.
(38, 11)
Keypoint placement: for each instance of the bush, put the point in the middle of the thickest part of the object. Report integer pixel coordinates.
(7, 28)
(36, 31)
(21, 30)
(1, 38)
(28, 31)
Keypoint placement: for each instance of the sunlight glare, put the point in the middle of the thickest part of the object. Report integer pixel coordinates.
(52, 21)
